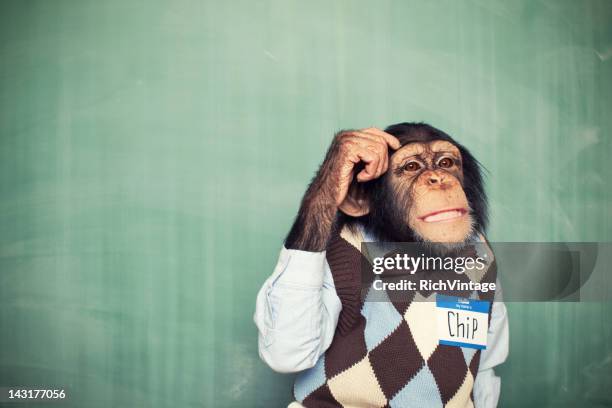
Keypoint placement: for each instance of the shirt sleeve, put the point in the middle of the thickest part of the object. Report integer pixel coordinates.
(296, 311)
(487, 385)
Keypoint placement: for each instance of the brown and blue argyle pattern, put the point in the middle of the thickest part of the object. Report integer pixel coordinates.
(386, 354)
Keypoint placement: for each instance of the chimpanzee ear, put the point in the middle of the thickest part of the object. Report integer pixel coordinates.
(356, 203)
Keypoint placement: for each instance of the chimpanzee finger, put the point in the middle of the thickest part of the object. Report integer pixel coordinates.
(377, 138)
(389, 138)
(375, 144)
(369, 133)
(371, 160)
(374, 138)
(381, 159)
(385, 165)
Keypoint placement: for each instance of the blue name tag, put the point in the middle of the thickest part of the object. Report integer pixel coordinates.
(462, 322)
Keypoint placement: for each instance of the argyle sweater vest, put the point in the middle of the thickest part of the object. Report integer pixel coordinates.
(386, 354)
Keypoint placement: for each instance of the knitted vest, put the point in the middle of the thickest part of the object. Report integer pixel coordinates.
(386, 354)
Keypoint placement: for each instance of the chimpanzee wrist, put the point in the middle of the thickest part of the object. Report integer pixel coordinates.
(313, 225)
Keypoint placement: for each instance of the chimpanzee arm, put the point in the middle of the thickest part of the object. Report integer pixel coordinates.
(313, 224)
(350, 149)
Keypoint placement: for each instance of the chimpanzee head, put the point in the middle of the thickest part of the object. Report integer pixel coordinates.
(432, 191)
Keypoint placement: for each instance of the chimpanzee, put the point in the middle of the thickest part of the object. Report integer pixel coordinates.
(408, 183)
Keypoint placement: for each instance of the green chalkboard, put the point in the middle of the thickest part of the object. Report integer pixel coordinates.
(153, 155)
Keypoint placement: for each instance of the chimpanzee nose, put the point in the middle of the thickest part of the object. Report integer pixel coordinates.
(435, 178)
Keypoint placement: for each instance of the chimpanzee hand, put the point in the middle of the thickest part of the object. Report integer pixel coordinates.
(349, 152)
(349, 149)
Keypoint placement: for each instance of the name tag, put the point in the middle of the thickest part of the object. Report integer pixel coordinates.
(462, 322)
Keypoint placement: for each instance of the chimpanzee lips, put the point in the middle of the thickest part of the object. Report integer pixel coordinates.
(443, 215)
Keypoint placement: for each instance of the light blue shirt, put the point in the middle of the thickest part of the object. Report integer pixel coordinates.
(297, 312)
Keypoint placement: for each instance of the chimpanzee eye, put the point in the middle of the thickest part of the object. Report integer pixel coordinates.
(446, 162)
(412, 166)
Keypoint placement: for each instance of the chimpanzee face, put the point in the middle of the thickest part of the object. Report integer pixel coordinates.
(426, 180)
(432, 191)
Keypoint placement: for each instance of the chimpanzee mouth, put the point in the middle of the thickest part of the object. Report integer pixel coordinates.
(444, 215)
